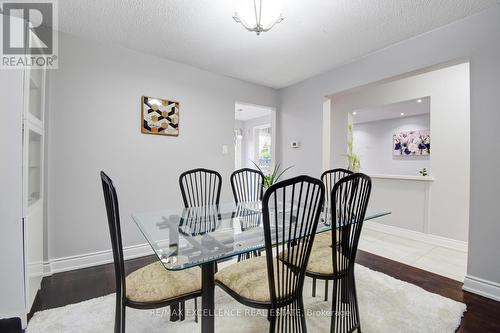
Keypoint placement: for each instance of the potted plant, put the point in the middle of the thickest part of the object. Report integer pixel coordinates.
(423, 172)
(274, 176)
(352, 158)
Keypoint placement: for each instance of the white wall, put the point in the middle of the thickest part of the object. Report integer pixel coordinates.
(95, 125)
(372, 141)
(408, 201)
(474, 39)
(448, 89)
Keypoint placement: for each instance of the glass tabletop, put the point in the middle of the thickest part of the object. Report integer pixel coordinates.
(188, 237)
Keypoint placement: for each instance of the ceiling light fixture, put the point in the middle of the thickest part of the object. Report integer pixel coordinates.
(419, 101)
(264, 22)
(354, 113)
(402, 113)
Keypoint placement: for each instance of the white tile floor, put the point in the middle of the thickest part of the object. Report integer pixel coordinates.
(432, 258)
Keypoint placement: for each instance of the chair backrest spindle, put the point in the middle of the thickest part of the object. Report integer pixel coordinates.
(113, 214)
(330, 178)
(350, 198)
(291, 211)
(200, 187)
(247, 185)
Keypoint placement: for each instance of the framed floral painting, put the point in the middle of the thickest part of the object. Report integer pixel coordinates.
(412, 143)
(159, 116)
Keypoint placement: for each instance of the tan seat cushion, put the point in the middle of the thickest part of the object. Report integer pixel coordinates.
(154, 283)
(323, 239)
(248, 278)
(321, 261)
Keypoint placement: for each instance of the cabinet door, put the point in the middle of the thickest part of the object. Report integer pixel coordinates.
(12, 291)
(34, 97)
(33, 184)
(33, 219)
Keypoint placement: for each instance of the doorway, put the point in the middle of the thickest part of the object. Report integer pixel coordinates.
(390, 127)
(254, 137)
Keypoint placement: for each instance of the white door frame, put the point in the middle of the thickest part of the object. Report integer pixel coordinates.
(274, 129)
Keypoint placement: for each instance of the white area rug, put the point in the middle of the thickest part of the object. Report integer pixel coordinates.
(386, 305)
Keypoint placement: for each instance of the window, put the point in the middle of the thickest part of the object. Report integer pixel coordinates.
(263, 146)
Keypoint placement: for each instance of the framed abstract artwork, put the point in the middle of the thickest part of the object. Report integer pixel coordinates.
(412, 143)
(159, 116)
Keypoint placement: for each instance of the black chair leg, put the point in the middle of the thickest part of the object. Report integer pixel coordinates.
(345, 311)
(196, 310)
(302, 315)
(122, 319)
(174, 312)
(355, 294)
(119, 315)
(334, 322)
(182, 312)
(314, 288)
(326, 290)
(272, 320)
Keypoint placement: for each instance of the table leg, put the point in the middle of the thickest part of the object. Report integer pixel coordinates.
(207, 298)
(175, 312)
(173, 236)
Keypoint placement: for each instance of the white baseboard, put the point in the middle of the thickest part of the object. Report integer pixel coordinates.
(93, 259)
(417, 236)
(482, 287)
(46, 269)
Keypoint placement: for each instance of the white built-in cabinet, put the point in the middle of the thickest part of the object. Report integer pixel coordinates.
(33, 180)
(22, 150)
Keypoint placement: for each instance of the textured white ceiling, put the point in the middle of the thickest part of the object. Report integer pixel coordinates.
(246, 111)
(391, 111)
(316, 35)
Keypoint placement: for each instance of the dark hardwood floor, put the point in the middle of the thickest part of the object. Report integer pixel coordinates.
(483, 315)
(83, 284)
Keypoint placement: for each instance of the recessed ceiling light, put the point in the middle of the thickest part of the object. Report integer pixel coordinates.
(239, 110)
(402, 113)
(354, 113)
(419, 101)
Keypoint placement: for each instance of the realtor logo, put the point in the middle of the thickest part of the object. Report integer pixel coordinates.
(29, 34)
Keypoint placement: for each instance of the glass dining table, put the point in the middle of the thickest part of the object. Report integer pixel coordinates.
(200, 236)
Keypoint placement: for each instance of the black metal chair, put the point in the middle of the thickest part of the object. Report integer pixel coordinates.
(329, 178)
(291, 211)
(200, 187)
(149, 287)
(248, 186)
(350, 198)
(196, 221)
